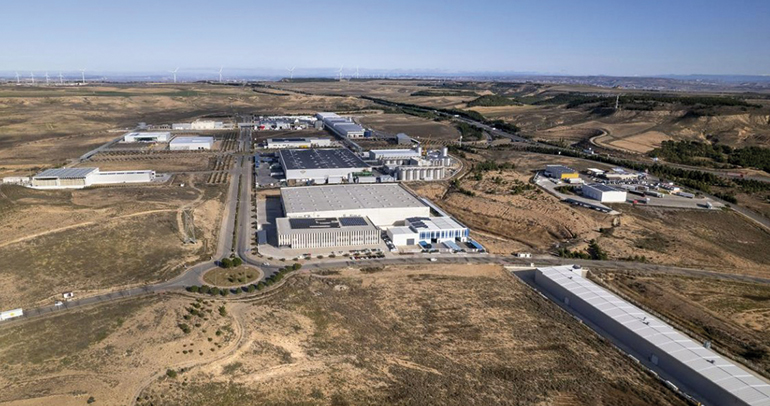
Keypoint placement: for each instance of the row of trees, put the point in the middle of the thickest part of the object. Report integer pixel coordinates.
(232, 262)
(693, 152)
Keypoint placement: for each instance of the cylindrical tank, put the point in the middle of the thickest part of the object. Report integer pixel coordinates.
(444, 152)
(419, 150)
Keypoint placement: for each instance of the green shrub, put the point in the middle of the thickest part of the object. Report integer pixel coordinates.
(226, 263)
(237, 262)
(171, 373)
(296, 266)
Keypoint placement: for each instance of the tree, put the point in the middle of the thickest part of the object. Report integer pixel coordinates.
(238, 290)
(171, 373)
(252, 288)
(226, 263)
(214, 290)
(297, 266)
(193, 289)
(237, 262)
(205, 289)
(90, 400)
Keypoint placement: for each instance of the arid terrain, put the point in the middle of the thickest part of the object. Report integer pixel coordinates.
(416, 335)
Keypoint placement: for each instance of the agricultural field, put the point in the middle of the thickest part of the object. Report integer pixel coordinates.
(734, 316)
(428, 132)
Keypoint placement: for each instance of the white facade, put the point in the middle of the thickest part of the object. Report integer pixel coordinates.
(78, 178)
(394, 156)
(326, 232)
(604, 193)
(207, 125)
(343, 127)
(147, 137)
(191, 143)
(15, 180)
(281, 143)
(438, 229)
(403, 236)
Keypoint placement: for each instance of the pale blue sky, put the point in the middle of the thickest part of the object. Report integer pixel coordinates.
(563, 37)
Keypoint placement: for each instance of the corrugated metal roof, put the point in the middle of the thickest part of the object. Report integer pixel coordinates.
(746, 386)
(65, 173)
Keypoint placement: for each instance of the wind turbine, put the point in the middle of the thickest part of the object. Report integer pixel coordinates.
(357, 72)
(291, 72)
(340, 72)
(61, 79)
(173, 72)
(32, 75)
(220, 74)
(83, 75)
(18, 80)
(46, 78)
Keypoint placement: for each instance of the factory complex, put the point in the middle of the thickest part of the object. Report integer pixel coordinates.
(604, 193)
(357, 214)
(202, 125)
(286, 143)
(191, 143)
(78, 178)
(343, 127)
(320, 165)
(693, 367)
(147, 137)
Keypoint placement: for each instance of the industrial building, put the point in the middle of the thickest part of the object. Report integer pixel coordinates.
(384, 204)
(560, 172)
(343, 127)
(688, 365)
(147, 137)
(429, 230)
(78, 178)
(403, 139)
(320, 165)
(395, 157)
(326, 232)
(202, 125)
(604, 193)
(282, 143)
(620, 174)
(191, 143)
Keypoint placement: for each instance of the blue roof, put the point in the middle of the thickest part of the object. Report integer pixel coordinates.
(452, 245)
(476, 245)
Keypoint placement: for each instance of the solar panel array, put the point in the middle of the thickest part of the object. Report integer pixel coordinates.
(320, 159)
(352, 221)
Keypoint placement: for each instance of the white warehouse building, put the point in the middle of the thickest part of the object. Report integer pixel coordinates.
(325, 232)
(147, 137)
(78, 178)
(191, 143)
(604, 193)
(384, 204)
(395, 157)
(709, 377)
(344, 127)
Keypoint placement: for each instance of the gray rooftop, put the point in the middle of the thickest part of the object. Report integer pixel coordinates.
(65, 173)
(286, 225)
(602, 187)
(320, 159)
(722, 372)
(347, 197)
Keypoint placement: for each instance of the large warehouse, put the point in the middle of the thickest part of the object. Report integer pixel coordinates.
(320, 165)
(343, 127)
(147, 137)
(191, 143)
(326, 232)
(78, 178)
(560, 172)
(689, 365)
(383, 203)
(285, 143)
(604, 193)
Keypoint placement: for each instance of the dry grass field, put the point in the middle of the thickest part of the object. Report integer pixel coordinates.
(449, 335)
(426, 131)
(238, 276)
(735, 316)
(41, 127)
(99, 238)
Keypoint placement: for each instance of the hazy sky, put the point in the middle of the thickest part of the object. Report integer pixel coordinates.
(563, 37)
